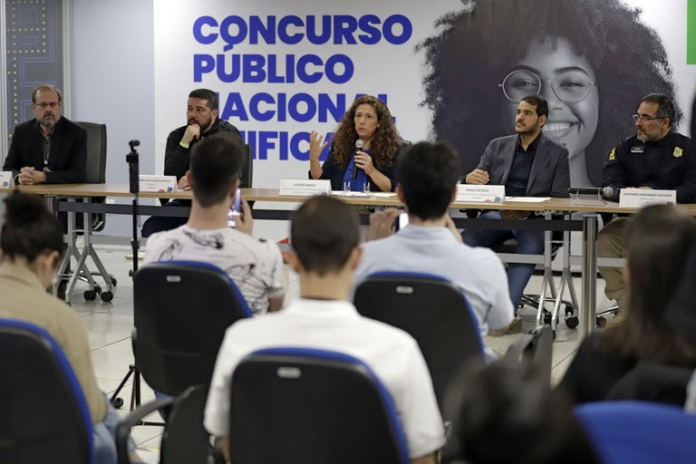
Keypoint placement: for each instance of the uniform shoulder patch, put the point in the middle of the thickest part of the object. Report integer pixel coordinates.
(678, 152)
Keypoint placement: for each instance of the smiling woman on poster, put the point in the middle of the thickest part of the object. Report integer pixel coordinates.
(363, 151)
(591, 60)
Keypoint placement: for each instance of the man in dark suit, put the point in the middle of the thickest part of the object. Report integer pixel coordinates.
(527, 164)
(48, 149)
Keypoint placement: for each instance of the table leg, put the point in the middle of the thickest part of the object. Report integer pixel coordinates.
(589, 275)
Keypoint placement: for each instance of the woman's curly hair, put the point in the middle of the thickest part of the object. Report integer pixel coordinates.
(478, 46)
(384, 143)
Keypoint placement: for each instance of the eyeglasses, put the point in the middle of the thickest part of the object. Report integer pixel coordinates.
(570, 86)
(644, 118)
(52, 105)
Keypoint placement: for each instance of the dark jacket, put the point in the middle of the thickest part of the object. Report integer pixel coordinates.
(550, 174)
(629, 165)
(335, 173)
(67, 157)
(176, 157)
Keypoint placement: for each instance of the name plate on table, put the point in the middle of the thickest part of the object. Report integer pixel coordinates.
(6, 179)
(304, 188)
(467, 193)
(637, 198)
(157, 184)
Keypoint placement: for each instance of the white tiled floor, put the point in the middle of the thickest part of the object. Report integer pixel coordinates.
(109, 327)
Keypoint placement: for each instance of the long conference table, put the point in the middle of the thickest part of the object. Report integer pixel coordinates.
(590, 209)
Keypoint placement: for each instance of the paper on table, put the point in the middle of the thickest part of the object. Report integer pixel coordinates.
(384, 194)
(527, 199)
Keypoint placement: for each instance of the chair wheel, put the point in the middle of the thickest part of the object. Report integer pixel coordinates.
(572, 322)
(547, 317)
(90, 295)
(117, 403)
(569, 311)
(114, 282)
(97, 289)
(601, 322)
(107, 296)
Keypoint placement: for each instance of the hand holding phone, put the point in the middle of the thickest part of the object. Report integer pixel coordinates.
(235, 210)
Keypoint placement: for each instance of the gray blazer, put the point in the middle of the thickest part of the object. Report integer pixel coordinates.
(550, 174)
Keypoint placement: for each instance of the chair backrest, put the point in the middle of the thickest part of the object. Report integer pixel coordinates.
(656, 383)
(182, 310)
(536, 347)
(247, 178)
(638, 432)
(95, 170)
(184, 439)
(312, 406)
(433, 311)
(44, 416)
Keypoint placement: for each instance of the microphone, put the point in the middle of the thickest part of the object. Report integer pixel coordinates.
(606, 192)
(359, 144)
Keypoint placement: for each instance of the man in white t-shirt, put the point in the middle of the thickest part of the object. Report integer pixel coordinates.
(430, 243)
(325, 237)
(255, 265)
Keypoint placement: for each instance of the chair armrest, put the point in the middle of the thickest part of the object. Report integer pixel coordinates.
(126, 424)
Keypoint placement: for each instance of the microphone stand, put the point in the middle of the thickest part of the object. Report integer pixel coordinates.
(132, 158)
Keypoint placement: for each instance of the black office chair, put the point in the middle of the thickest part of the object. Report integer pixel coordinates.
(95, 173)
(655, 383)
(182, 310)
(44, 415)
(184, 440)
(433, 311)
(295, 405)
(536, 347)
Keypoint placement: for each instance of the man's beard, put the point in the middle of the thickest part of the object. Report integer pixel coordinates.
(49, 122)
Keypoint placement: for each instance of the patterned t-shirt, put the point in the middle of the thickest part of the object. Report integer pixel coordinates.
(255, 265)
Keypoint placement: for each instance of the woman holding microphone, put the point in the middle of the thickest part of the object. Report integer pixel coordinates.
(363, 150)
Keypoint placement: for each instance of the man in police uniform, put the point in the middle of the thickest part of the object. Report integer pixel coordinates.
(654, 158)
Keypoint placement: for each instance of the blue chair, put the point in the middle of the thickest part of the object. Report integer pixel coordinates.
(309, 406)
(433, 311)
(44, 417)
(639, 433)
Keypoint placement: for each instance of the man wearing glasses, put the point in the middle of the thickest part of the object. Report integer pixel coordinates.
(48, 149)
(527, 164)
(655, 158)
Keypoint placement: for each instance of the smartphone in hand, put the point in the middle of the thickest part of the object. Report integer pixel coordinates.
(235, 209)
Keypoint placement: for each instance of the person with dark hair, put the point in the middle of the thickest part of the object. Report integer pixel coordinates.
(655, 158)
(49, 149)
(527, 164)
(202, 121)
(577, 54)
(658, 241)
(506, 413)
(430, 242)
(31, 242)
(325, 239)
(367, 120)
(255, 265)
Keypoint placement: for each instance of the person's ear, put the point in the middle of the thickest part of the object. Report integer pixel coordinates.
(355, 257)
(542, 120)
(400, 194)
(454, 195)
(294, 262)
(233, 190)
(214, 114)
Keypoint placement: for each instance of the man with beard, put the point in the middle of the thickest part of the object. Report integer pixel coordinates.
(48, 149)
(655, 158)
(202, 121)
(527, 164)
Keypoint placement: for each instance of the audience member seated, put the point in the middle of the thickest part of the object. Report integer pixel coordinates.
(507, 414)
(658, 241)
(255, 265)
(430, 242)
(325, 237)
(32, 244)
(368, 120)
